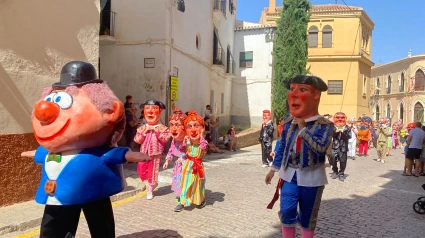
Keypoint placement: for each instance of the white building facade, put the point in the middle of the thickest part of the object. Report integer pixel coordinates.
(146, 42)
(251, 88)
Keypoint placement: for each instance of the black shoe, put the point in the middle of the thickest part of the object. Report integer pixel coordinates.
(202, 204)
(179, 208)
(334, 175)
(341, 177)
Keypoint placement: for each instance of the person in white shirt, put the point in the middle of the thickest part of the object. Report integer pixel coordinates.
(300, 158)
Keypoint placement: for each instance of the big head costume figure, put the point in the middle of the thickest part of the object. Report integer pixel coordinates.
(178, 133)
(193, 179)
(305, 138)
(77, 123)
(341, 135)
(266, 138)
(410, 126)
(152, 137)
(364, 134)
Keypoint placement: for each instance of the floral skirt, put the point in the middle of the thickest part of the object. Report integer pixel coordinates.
(176, 184)
(193, 187)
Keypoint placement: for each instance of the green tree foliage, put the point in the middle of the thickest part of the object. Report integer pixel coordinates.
(290, 51)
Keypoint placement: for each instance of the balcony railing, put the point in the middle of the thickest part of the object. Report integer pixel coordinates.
(220, 5)
(388, 90)
(107, 23)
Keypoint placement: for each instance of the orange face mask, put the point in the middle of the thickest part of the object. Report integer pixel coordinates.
(152, 114)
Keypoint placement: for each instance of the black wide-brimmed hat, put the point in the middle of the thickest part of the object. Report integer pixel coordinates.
(153, 102)
(77, 73)
(315, 81)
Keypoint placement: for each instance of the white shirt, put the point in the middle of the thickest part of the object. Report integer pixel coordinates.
(311, 178)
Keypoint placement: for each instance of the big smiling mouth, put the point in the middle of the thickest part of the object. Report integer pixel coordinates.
(295, 105)
(49, 138)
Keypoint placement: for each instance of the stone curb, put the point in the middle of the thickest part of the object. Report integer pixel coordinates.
(25, 225)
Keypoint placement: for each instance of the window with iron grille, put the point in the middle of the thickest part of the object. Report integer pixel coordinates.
(335, 86)
(246, 59)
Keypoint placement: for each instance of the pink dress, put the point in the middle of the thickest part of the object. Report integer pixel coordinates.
(175, 151)
(152, 143)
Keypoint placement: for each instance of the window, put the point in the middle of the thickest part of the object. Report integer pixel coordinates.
(313, 36)
(388, 110)
(364, 85)
(377, 114)
(378, 84)
(222, 103)
(245, 59)
(402, 83)
(419, 80)
(327, 37)
(212, 99)
(198, 41)
(389, 84)
(401, 116)
(335, 87)
(418, 112)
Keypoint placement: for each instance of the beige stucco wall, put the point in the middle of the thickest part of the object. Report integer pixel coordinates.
(37, 38)
(408, 66)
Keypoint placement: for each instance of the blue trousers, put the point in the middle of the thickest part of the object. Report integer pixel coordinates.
(307, 198)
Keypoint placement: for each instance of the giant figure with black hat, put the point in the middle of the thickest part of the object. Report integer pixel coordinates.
(300, 158)
(77, 123)
(152, 137)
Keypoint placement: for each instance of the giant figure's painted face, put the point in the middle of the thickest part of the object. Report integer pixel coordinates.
(410, 126)
(194, 130)
(340, 119)
(152, 114)
(301, 100)
(65, 121)
(266, 117)
(177, 130)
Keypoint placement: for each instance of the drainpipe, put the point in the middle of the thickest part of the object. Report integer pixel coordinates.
(168, 79)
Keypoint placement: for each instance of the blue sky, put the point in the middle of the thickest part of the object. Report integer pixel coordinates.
(399, 25)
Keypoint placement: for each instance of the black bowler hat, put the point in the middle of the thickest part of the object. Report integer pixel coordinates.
(77, 73)
(316, 82)
(154, 102)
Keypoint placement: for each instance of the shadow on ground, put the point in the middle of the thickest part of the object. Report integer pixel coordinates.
(153, 234)
(377, 215)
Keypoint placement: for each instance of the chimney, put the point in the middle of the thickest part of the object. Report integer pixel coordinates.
(272, 6)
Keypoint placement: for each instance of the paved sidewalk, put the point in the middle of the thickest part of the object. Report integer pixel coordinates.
(374, 201)
(27, 215)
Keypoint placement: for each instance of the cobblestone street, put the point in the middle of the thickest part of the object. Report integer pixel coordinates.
(374, 201)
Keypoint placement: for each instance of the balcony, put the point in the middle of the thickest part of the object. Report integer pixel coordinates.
(107, 28)
(220, 6)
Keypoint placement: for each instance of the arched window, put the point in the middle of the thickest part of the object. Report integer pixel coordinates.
(418, 112)
(327, 37)
(402, 82)
(388, 110)
(401, 111)
(377, 114)
(378, 84)
(313, 33)
(419, 80)
(389, 84)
